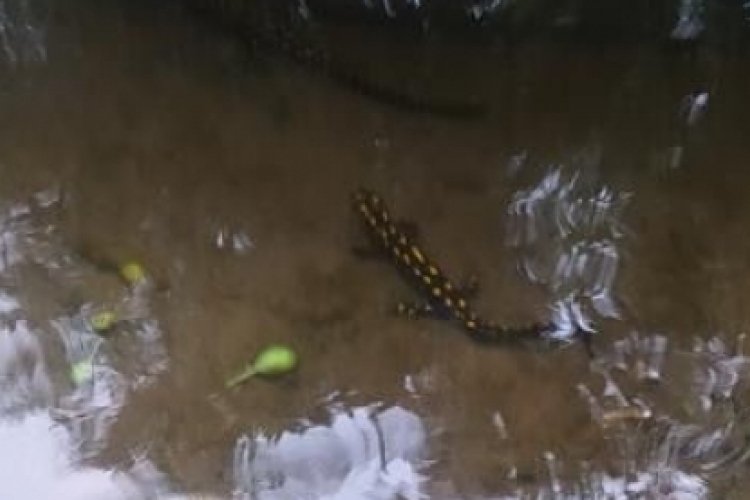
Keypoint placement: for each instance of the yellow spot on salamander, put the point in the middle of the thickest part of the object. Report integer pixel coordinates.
(417, 271)
(448, 285)
(392, 229)
(471, 324)
(406, 259)
(461, 303)
(402, 240)
(427, 280)
(437, 292)
(433, 270)
(448, 302)
(396, 252)
(417, 254)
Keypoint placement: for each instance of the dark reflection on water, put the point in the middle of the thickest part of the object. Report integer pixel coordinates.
(227, 176)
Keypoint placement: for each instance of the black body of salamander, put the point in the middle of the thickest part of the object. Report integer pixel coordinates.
(443, 299)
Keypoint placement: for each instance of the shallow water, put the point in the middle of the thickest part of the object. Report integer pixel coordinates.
(228, 178)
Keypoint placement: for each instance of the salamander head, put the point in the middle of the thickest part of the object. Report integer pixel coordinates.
(362, 195)
(369, 205)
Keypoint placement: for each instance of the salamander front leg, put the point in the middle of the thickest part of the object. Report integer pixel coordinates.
(413, 310)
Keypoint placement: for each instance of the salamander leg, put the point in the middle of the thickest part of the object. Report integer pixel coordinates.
(414, 310)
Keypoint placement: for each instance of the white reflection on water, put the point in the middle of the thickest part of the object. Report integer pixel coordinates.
(60, 394)
(568, 237)
(233, 240)
(361, 454)
(718, 370)
(693, 108)
(98, 395)
(22, 34)
(24, 383)
(485, 8)
(664, 450)
(43, 443)
(690, 20)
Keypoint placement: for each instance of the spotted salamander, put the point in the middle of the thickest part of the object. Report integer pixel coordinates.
(443, 299)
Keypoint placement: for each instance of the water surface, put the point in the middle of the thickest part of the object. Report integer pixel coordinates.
(227, 175)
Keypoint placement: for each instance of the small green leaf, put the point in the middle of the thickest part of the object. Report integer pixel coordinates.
(133, 273)
(103, 321)
(82, 371)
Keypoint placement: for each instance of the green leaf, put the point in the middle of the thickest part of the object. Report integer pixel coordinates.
(103, 321)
